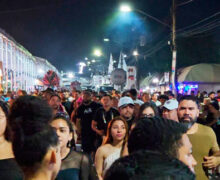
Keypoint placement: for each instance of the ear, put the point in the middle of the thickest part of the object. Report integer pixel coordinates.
(53, 158)
(197, 113)
(70, 136)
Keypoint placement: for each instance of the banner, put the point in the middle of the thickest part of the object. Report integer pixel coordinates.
(131, 77)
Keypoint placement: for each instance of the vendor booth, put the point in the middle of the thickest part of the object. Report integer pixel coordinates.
(199, 77)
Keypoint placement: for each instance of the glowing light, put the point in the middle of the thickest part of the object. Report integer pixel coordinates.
(81, 66)
(86, 59)
(97, 52)
(40, 71)
(155, 80)
(36, 81)
(187, 88)
(106, 40)
(93, 61)
(135, 53)
(70, 75)
(125, 8)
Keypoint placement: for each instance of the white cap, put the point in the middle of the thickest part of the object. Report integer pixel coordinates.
(171, 104)
(125, 101)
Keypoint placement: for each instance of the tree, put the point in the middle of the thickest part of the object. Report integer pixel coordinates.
(51, 79)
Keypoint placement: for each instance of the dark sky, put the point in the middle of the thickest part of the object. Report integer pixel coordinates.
(65, 31)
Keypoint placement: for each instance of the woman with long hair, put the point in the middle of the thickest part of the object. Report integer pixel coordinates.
(113, 147)
(35, 143)
(8, 167)
(147, 109)
(75, 165)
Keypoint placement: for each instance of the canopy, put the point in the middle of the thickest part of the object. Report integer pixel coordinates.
(201, 73)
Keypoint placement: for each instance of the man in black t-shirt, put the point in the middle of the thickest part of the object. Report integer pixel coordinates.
(84, 115)
(102, 117)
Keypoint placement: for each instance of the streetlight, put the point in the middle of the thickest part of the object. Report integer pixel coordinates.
(106, 40)
(97, 52)
(125, 8)
(70, 75)
(135, 53)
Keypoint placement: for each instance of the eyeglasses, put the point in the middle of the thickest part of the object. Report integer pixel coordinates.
(147, 115)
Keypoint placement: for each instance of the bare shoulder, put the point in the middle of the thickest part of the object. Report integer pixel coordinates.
(104, 149)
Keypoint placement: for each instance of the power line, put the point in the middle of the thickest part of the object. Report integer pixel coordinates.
(31, 9)
(191, 32)
(152, 17)
(184, 3)
(216, 14)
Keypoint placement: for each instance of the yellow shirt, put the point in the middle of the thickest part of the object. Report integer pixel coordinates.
(203, 142)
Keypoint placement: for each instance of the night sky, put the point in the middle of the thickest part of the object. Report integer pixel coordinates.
(66, 31)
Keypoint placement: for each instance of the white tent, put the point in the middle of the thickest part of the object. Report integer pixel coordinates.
(201, 73)
(205, 75)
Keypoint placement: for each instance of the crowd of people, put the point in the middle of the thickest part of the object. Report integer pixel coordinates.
(91, 135)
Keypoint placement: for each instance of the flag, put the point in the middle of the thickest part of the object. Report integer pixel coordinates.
(120, 61)
(122, 64)
(110, 66)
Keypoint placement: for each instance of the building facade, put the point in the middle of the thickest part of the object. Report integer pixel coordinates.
(19, 69)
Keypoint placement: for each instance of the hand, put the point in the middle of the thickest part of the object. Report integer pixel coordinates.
(211, 161)
(100, 132)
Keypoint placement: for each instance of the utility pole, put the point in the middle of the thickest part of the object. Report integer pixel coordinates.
(137, 73)
(174, 50)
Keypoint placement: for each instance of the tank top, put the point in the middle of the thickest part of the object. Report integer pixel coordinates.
(110, 160)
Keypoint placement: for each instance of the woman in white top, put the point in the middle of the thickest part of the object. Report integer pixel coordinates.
(113, 146)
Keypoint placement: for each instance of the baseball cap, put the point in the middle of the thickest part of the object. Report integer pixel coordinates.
(125, 101)
(171, 104)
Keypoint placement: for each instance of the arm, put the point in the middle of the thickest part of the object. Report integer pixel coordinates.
(78, 126)
(87, 170)
(215, 113)
(94, 128)
(99, 159)
(125, 150)
(214, 160)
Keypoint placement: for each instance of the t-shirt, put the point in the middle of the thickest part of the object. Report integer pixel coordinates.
(129, 122)
(67, 106)
(10, 170)
(86, 114)
(203, 141)
(102, 117)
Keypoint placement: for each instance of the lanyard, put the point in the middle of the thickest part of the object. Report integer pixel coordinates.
(103, 116)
